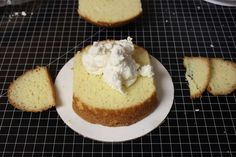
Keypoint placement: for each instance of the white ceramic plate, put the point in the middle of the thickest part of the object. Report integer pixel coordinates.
(229, 3)
(98, 132)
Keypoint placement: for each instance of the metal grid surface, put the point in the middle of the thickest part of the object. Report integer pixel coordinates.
(51, 32)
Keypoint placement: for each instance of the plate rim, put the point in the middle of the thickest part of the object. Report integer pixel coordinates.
(227, 4)
(69, 65)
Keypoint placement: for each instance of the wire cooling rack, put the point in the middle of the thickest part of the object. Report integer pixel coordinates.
(49, 32)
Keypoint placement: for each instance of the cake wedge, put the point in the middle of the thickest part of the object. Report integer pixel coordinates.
(223, 77)
(110, 13)
(33, 91)
(198, 73)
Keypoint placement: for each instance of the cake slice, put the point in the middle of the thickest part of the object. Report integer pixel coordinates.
(197, 74)
(110, 13)
(223, 77)
(33, 91)
(95, 101)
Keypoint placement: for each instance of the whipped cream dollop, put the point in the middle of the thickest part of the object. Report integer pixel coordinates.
(146, 71)
(113, 60)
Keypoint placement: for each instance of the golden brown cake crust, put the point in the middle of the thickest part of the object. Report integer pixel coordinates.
(20, 106)
(120, 117)
(106, 24)
(230, 90)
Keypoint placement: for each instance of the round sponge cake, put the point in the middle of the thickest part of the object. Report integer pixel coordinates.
(95, 101)
(110, 13)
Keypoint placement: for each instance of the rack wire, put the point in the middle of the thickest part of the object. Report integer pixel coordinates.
(50, 32)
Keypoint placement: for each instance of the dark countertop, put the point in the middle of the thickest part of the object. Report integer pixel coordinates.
(50, 34)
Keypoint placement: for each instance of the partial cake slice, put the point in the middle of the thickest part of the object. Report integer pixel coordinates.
(33, 91)
(110, 13)
(95, 101)
(197, 74)
(223, 77)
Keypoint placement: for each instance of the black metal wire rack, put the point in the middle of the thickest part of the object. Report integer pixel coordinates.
(49, 32)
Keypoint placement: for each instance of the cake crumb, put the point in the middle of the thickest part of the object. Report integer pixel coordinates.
(16, 13)
(23, 13)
